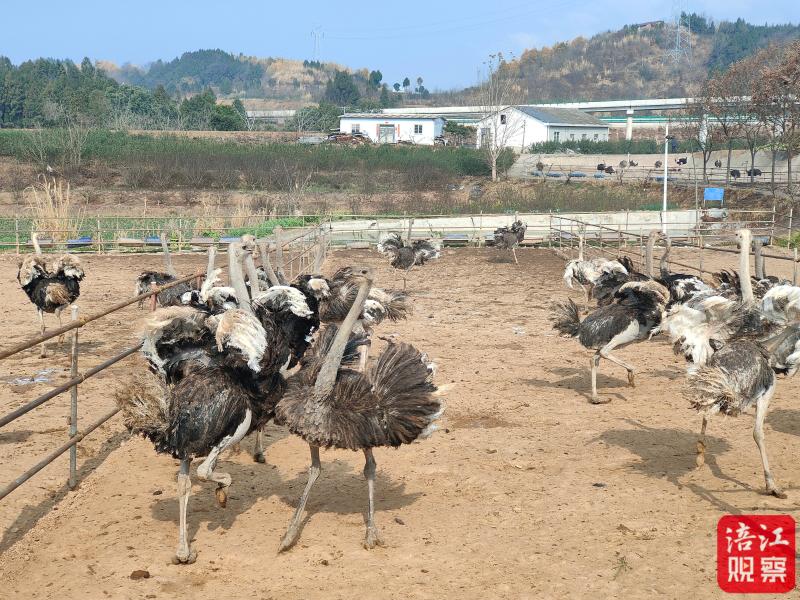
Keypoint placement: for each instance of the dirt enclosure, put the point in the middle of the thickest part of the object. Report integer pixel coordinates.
(528, 491)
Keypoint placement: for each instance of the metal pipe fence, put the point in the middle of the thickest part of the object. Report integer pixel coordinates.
(304, 251)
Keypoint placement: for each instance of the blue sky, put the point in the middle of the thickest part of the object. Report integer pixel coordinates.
(444, 41)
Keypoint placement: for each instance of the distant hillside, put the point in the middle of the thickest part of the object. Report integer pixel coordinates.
(235, 76)
(630, 63)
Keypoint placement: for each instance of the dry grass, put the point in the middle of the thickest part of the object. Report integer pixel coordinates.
(216, 214)
(55, 214)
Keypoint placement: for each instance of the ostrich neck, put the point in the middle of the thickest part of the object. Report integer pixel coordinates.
(759, 260)
(580, 247)
(212, 259)
(167, 257)
(648, 253)
(744, 268)
(330, 366)
(410, 227)
(273, 279)
(35, 241)
(665, 259)
(252, 274)
(237, 280)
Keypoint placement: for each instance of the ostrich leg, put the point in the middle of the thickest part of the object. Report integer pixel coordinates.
(514, 254)
(43, 351)
(258, 451)
(292, 533)
(206, 469)
(701, 443)
(593, 363)
(60, 325)
(184, 554)
(373, 537)
(762, 405)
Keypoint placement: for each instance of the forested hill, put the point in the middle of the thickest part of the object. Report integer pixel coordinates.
(631, 63)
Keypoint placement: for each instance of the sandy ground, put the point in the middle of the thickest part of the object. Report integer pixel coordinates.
(527, 492)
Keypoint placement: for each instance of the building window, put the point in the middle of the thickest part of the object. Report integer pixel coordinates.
(595, 137)
(583, 136)
(355, 128)
(417, 128)
(556, 136)
(571, 136)
(502, 119)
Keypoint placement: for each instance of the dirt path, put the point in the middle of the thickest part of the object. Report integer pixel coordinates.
(527, 492)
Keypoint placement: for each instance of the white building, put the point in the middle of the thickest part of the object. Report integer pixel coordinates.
(390, 129)
(518, 127)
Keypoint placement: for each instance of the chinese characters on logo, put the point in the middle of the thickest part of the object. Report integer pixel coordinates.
(756, 553)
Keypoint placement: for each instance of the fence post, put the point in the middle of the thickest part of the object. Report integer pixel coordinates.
(791, 215)
(16, 233)
(99, 239)
(73, 405)
(180, 235)
(278, 249)
(794, 268)
(772, 230)
(701, 252)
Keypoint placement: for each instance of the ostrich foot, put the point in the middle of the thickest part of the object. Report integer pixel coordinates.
(631, 379)
(777, 492)
(259, 457)
(700, 460)
(373, 538)
(184, 557)
(290, 537)
(221, 494)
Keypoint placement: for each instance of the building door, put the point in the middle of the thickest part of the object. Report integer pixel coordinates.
(386, 134)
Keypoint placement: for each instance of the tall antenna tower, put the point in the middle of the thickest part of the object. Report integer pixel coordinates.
(678, 29)
(317, 35)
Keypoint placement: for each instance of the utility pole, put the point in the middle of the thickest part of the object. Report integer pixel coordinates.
(667, 138)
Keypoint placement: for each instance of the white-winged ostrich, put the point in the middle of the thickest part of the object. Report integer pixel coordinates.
(586, 273)
(736, 377)
(405, 254)
(331, 405)
(636, 310)
(218, 378)
(51, 287)
(510, 237)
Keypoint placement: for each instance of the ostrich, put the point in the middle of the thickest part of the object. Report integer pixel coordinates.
(51, 287)
(508, 238)
(147, 279)
(736, 173)
(609, 282)
(658, 164)
(380, 305)
(718, 163)
(738, 376)
(681, 286)
(634, 313)
(405, 254)
(682, 160)
(586, 273)
(330, 405)
(218, 378)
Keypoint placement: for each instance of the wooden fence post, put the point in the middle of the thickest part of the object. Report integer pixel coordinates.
(16, 233)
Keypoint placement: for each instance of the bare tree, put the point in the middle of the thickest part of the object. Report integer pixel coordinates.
(249, 122)
(700, 129)
(724, 103)
(498, 92)
(775, 95)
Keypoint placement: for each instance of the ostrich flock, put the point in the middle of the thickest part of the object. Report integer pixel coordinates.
(735, 335)
(224, 360)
